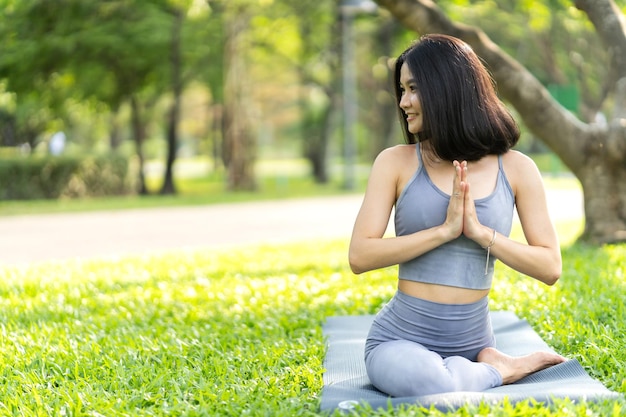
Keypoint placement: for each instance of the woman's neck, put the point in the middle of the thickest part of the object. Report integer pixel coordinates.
(429, 155)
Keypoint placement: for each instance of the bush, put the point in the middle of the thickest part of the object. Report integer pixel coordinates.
(53, 177)
(99, 176)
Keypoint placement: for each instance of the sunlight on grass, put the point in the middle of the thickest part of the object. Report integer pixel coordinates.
(238, 332)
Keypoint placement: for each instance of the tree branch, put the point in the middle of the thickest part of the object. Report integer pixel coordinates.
(544, 116)
(611, 28)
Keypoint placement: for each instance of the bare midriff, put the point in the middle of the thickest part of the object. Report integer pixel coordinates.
(442, 294)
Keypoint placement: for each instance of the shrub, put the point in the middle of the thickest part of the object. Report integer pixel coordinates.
(53, 177)
(99, 176)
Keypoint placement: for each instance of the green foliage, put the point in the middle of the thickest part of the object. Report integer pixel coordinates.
(28, 178)
(553, 39)
(53, 177)
(109, 49)
(100, 176)
(68, 64)
(238, 332)
(93, 56)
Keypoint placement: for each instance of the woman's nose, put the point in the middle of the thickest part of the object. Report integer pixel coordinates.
(404, 101)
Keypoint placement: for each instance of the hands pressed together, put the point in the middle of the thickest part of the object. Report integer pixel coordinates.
(461, 217)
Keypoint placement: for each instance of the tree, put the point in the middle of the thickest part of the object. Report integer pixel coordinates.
(379, 104)
(173, 114)
(239, 141)
(212, 75)
(301, 41)
(23, 123)
(188, 56)
(594, 152)
(318, 67)
(110, 51)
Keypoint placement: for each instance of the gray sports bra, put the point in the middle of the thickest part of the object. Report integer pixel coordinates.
(460, 262)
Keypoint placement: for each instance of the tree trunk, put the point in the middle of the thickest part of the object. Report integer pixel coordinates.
(115, 137)
(605, 196)
(239, 142)
(316, 139)
(385, 103)
(318, 123)
(168, 186)
(216, 140)
(595, 154)
(139, 136)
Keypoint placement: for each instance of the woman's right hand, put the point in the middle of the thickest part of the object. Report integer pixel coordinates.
(454, 217)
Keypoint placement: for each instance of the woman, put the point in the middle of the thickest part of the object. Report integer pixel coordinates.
(454, 187)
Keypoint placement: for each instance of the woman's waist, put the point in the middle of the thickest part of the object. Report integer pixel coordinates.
(443, 294)
(424, 321)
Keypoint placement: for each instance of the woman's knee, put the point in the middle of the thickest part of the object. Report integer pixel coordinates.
(407, 369)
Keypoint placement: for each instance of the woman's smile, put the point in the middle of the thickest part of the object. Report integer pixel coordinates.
(410, 101)
(411, 116)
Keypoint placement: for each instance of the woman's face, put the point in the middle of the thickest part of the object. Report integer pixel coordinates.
(410, 102)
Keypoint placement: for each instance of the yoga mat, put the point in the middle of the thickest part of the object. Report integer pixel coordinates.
(346, 383)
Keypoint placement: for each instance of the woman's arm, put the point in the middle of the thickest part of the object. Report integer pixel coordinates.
(368, 248)
(541, 257)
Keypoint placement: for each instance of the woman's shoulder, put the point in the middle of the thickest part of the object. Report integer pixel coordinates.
(517, 161)
(519, 167)
(395, 161)
(397, 153)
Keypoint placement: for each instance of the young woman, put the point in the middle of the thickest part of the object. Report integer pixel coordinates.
(454, 187)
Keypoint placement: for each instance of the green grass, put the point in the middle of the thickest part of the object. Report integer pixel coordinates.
(238, 332)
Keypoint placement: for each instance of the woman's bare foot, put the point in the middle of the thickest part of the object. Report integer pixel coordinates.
(515, 368)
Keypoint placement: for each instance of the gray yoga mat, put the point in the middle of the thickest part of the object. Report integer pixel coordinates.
(346, 383)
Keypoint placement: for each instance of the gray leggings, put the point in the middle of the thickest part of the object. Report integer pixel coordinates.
(417, 347)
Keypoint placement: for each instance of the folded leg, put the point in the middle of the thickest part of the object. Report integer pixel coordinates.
(402, 368)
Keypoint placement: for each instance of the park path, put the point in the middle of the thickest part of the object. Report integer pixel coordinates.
(106, 234)
(32, 238)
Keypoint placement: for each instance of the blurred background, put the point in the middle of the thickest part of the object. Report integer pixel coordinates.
(201, 98)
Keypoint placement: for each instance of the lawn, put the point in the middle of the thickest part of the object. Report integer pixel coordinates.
(238, 332)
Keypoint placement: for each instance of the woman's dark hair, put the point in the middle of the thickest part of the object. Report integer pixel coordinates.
(463, 117)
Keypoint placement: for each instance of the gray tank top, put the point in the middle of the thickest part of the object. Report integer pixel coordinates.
(460, 262)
